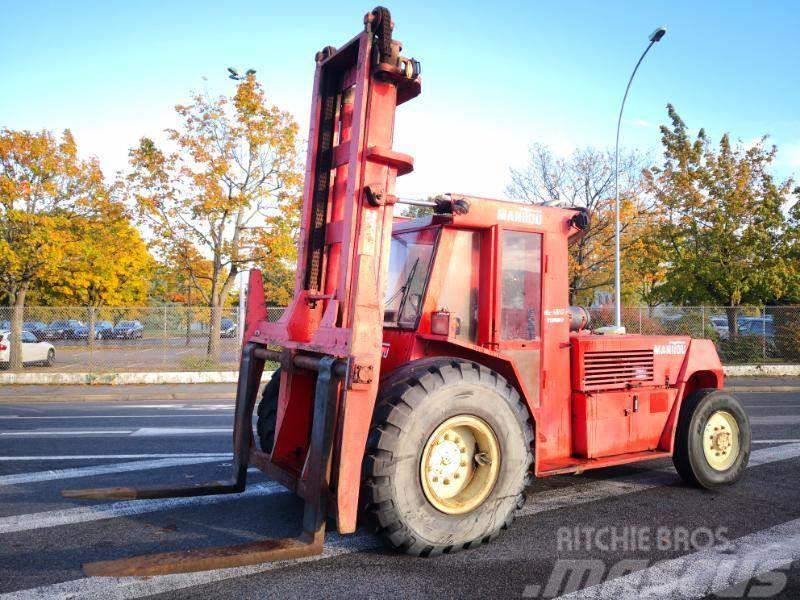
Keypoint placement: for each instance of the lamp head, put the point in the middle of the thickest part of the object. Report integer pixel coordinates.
(658, 34)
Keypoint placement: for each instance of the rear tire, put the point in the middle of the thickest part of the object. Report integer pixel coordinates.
(268, 412)
(51, 358)
(398, 497)
(712, 440)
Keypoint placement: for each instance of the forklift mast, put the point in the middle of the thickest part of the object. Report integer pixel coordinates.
(344, 248)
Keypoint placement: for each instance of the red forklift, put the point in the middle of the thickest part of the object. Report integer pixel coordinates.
(429, 367)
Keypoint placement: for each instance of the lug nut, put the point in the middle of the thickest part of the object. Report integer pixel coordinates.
(446, 481)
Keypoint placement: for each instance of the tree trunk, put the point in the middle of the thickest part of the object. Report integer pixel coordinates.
(213, 335)
(188, 311)
(733, 322)
(17, 298)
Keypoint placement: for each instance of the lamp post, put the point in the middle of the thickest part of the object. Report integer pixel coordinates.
(654, 37)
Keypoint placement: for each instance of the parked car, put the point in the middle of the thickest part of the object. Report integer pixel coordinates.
(227, 328)
(61, 330)
(720, 325)
(36, 328)
(758, 326)
(5, 324)
(128, 330)
(102, 330)
(33, 351)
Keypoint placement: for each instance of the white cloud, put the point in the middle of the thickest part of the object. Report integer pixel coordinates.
(645, 124)
(792, 155)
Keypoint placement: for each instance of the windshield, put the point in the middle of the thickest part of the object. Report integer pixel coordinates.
(125, 324)
(409, 262)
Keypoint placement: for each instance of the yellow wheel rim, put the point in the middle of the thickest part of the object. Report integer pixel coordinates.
(721, 440)
(460, 464)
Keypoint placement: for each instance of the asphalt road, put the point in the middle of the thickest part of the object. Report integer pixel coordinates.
(662, 538)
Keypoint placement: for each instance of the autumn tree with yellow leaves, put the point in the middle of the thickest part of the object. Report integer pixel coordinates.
(45, 189)
(105, 264)
(227, 188)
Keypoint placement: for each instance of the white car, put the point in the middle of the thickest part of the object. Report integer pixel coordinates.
(33, 351)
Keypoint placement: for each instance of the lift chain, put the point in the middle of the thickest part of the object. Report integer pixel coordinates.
(382, 29)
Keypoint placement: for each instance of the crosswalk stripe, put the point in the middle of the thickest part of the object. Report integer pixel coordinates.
(699, 574)
(127, 432)
(59, 457)
(140, 465)
(124, 508)
(336, 545)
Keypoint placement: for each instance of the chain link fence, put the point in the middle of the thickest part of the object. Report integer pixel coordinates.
(743, 334)
(102, 340)
(177, 338)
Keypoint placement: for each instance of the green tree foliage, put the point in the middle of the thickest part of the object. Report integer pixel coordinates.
(722, 231)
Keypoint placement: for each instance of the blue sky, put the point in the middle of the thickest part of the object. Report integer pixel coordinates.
(497, 76)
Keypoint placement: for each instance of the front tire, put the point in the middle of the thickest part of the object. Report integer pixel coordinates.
(268, 412)
(51, 358)
(712, 440)
(447, 458)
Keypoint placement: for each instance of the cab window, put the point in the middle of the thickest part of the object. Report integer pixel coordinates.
(459, 295)
(410, 257)
(520, 304)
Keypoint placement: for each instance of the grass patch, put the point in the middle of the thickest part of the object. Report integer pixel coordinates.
(199, 362)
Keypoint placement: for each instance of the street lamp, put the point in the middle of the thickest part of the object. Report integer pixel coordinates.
(234, 74)
(654, 37)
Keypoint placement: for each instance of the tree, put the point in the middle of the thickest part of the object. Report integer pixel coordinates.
(107, 264)
(586, 179)
(724, 230)
(232, 176)
(43, 187)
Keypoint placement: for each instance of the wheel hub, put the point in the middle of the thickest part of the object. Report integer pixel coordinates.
(459, 465)
(721, 440)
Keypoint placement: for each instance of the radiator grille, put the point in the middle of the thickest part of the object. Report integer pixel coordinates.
(616, 369)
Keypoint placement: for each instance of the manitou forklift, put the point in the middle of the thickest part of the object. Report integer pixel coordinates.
(428, 367)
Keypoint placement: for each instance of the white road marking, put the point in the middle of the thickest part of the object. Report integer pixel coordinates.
(336, 545)
(120, 588)
(132, 432)
(59, 432)
(774, 454)
(795, 441)
(141, 465)
(158, 431)
(111, 456)
(124, 508)
(699, 574)
(776, 420)
(21, 417)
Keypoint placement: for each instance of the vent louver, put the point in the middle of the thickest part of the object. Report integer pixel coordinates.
(615, 369)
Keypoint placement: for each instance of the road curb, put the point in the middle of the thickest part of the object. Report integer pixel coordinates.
(117, 397)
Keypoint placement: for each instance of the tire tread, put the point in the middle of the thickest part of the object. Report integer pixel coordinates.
(393, 412)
